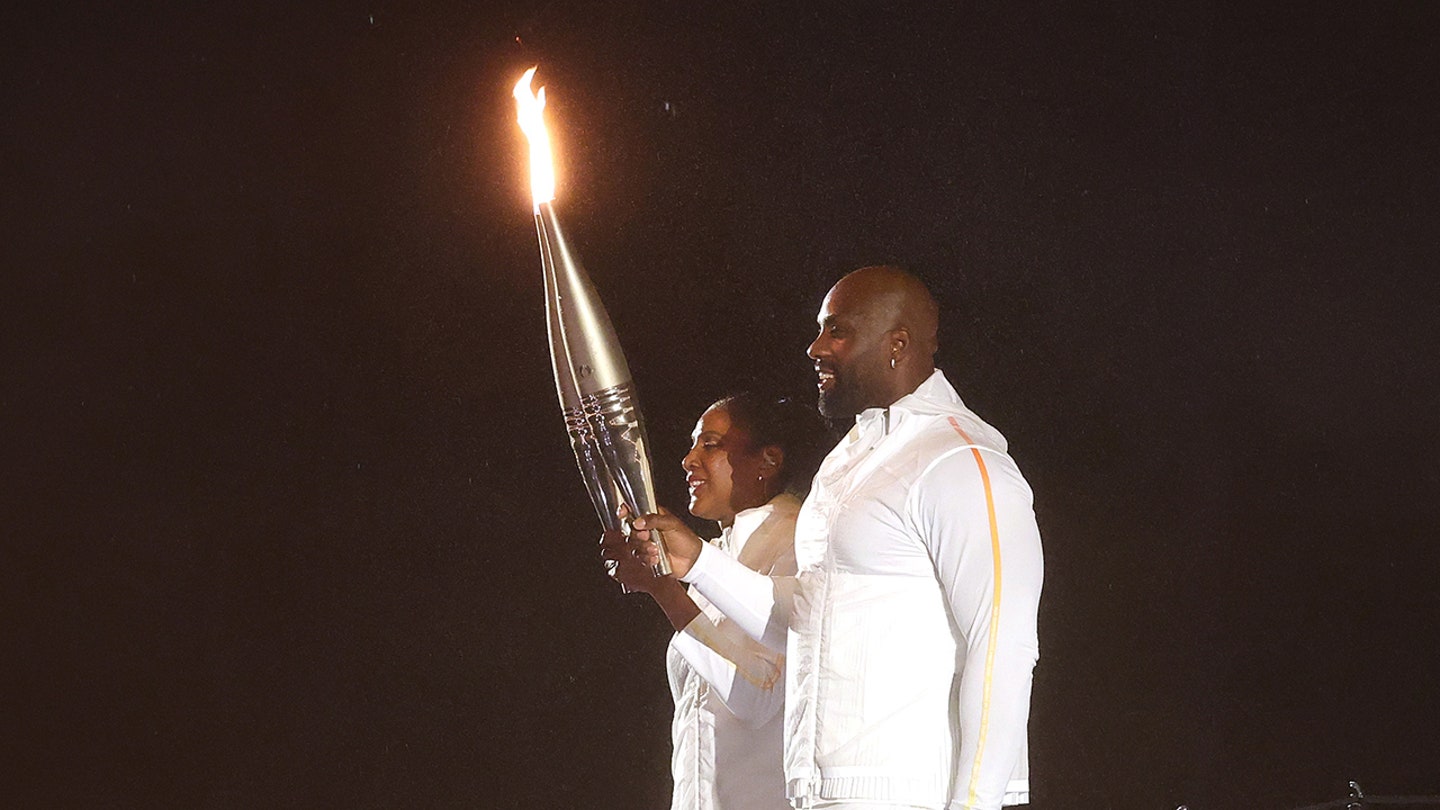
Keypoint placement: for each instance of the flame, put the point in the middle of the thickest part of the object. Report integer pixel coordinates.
(531, 108)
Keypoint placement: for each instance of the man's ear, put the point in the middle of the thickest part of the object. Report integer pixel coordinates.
(899, 339)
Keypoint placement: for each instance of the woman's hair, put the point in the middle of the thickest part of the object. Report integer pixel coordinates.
(794, 427)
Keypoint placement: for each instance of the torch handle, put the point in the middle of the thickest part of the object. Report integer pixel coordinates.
(662, 568)
(619, 431)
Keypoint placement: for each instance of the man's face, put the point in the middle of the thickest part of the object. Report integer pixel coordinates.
(851, 355)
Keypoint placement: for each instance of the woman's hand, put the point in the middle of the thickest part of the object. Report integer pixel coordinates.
(622, 565)
(638, 575)
(682, 546)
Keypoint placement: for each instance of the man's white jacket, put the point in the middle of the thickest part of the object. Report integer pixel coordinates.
(910, 629)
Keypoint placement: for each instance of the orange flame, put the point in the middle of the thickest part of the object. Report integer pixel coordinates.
(531, 108)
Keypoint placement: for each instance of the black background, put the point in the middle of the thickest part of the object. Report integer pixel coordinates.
(290, 518)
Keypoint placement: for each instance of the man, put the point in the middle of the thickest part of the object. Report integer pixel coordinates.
(910, 628)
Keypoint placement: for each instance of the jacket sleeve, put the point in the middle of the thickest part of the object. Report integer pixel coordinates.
(747, 676)
(758, 604)
(974, 511)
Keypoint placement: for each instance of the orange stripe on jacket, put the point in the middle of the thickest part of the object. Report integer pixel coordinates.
(994, 612)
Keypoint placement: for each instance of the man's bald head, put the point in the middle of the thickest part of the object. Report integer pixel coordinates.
(900, 300)
(877, 342)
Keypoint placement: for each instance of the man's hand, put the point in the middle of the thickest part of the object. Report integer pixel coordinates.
(681, 544)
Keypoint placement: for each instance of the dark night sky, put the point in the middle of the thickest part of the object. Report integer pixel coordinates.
(289, 514)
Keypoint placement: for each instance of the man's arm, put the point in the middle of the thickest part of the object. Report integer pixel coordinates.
(974, 511)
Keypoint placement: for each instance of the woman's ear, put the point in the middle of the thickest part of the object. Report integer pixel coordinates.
(772, 460)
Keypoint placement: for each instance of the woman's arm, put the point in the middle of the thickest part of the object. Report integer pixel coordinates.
(758, 604)
(635, 576)
(743, 673)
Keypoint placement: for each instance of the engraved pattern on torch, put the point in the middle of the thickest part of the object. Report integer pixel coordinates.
(620, 430)
(604, 493)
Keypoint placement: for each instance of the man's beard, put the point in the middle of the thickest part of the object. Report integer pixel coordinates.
(840, 402)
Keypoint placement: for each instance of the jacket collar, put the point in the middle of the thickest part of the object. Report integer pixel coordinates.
(934, 397)
(747, 521)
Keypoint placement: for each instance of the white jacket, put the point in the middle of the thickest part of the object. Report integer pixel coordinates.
(729, 689)
(911, 626)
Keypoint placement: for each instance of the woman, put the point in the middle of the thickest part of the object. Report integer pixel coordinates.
(750, 461)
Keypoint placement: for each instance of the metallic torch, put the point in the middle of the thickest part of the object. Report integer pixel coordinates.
(597, 393)
(604, 493)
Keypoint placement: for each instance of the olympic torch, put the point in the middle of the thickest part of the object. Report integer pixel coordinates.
(592, 379)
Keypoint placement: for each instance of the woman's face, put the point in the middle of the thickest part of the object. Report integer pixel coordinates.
(722, 469)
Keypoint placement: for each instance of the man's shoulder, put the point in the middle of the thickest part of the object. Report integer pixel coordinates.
(943, 422)
(938, 434)
(950, 463)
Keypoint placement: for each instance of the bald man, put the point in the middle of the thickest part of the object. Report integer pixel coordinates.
(910, 628)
